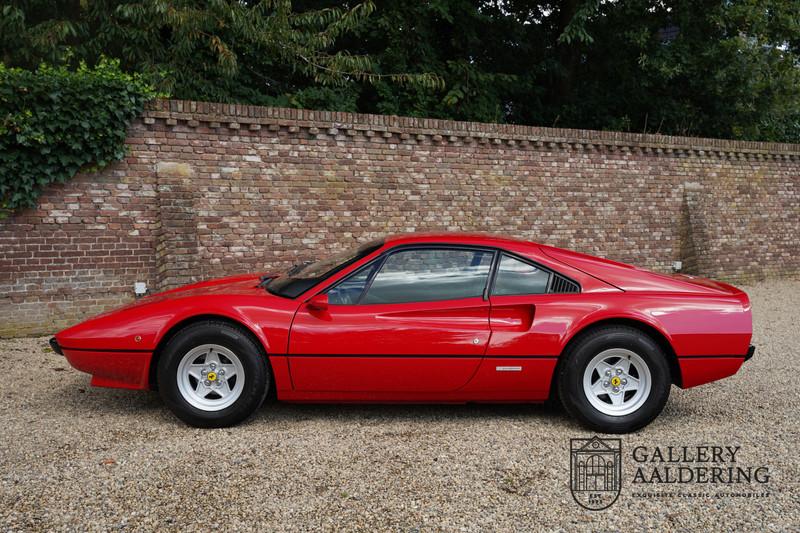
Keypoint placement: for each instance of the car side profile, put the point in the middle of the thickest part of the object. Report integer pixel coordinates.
(450, 318)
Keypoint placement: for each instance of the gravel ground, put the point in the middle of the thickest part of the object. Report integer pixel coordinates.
(75, 457)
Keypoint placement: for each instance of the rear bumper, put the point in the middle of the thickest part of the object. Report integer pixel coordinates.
(750, 351)
(697, 370)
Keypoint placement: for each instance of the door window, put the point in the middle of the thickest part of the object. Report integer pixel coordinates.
(349, 291)
(429, 274)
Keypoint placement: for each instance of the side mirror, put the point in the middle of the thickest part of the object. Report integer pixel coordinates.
(318, 302)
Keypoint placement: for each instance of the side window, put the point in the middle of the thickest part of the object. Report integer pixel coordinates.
(428, 275)
(349, 291)
(517, 277)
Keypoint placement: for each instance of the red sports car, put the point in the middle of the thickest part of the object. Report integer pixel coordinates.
(425, 318)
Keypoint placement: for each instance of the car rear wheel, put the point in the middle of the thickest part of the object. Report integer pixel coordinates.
(212, 374)
(614, 380)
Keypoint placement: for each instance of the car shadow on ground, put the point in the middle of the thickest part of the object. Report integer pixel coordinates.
(74, 396)
(407, 412)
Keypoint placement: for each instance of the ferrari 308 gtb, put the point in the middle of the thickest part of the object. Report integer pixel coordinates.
(425, 318)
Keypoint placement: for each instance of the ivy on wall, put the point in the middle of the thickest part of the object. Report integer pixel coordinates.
(55, 122)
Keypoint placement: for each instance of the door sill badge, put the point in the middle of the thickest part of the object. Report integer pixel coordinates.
(508, 368)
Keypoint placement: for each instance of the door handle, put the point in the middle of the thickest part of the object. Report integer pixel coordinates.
(513, 317)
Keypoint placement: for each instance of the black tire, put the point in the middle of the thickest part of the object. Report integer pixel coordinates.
(580, 354)
(253, 360)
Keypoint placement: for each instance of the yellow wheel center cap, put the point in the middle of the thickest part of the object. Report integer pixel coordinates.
(614, 381)
(212, 376)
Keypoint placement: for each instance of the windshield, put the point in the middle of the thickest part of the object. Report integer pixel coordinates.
(301, 278)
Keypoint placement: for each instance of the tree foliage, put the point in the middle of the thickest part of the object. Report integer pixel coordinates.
(54, 122)
(722, 68)
(259, 51)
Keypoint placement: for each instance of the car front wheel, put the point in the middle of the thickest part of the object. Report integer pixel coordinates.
(614, 380)
(212, 374)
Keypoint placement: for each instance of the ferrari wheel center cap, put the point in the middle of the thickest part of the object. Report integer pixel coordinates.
(614, 381)
(211, 376)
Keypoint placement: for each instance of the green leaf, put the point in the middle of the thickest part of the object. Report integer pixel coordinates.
(50, 131)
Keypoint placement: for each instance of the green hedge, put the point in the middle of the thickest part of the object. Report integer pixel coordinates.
(55, 122)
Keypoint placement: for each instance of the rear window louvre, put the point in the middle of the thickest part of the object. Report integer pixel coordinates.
(561, 285)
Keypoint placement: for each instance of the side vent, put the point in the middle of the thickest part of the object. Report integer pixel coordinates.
(562, 285)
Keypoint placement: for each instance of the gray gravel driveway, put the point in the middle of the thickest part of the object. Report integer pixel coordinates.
(74, 457)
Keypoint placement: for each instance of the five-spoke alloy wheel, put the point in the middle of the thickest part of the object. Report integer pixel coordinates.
(210, 377)
(213, 374)
(617, 382)
(614, 379)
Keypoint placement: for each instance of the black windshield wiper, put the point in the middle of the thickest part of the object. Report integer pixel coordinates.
(265, 280)
(298, 267)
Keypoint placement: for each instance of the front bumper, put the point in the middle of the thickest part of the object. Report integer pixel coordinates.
(56, 348)
(125, 369)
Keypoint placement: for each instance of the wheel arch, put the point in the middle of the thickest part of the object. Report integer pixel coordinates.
(648, 329)
(188, 321)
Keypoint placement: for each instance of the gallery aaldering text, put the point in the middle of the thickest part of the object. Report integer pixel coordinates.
(694, 464)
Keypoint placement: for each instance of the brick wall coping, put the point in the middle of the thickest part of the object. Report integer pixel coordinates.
(321, 123)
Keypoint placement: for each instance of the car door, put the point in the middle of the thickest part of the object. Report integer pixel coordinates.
(414, 321)
(518, 364)
(517, 287)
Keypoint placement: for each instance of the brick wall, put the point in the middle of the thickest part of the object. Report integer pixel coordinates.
(212, 189)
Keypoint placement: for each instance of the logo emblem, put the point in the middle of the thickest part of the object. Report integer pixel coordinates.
(595, 470)
(212, 376)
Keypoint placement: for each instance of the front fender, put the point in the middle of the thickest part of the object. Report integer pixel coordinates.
(142, 327)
